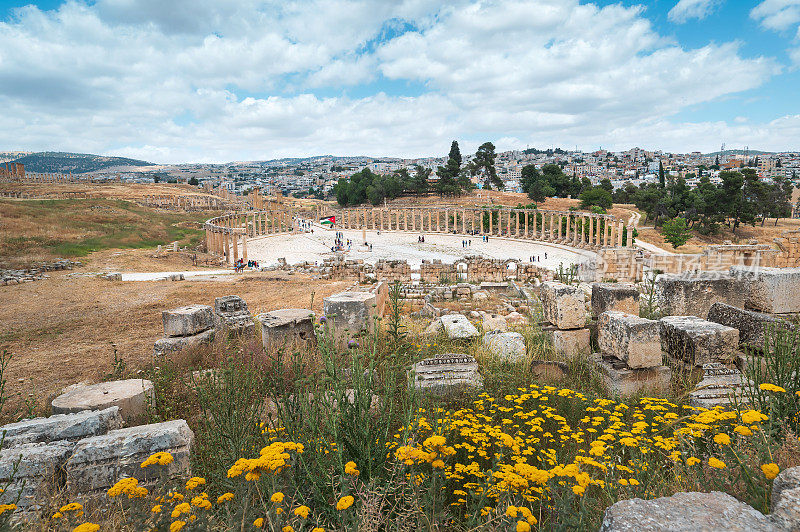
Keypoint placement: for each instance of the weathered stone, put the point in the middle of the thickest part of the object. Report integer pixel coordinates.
(166, 346)
(187, 321)
(458, 327)
(625, 381)
(98, 462)
(568, 342)
(494, 322)
(549, 370)
(632, 339)
(623, 297)
(34, 471)
(752, 326)
(352, 312)
(563, 305)
(446, 373)
(515, 318)
(684, 511)
(114, 276)
(286, 327)
(508, 346)
(788, 479)
(697, 341)
(775, 290)
(231, 315)
(720, 386)
(61, 427)
(131, 396)
(693, 294)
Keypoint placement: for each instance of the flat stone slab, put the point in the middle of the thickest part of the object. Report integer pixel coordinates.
(166, 346)
(568, 342)
(351, 312)
(494, 322)
(634, 340)
(289, 325)
(187, 321)
(458, 327)
(446, 373)
(775, 290)
(508, 346)
(129, 395)
(38, 472)
(696, 341)
(752, 326)
(625, 381)
(623, 297)
(684, 511)
(693, 294)
(98, 462)
(720, 386)
(563, 305)
(69, 427)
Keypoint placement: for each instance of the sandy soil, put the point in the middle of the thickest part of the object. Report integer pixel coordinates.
(105, 190)
(60, 330)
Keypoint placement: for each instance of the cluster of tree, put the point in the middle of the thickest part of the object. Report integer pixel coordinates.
(549, 152)
(453, 178)
(741, 198)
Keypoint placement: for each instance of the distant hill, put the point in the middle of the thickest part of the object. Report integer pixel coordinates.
(751, 153)
(77, 163)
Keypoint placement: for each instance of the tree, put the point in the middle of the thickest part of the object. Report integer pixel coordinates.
(193, 181)
(661, 181)
(676, 232)
(596, 196)
(605, 184)
(455, 153)
(447, 184)
(419, 183)
(483, 165)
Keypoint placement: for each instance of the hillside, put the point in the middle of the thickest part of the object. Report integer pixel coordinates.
(77, 163)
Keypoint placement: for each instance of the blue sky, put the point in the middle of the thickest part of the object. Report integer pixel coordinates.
(217, 81)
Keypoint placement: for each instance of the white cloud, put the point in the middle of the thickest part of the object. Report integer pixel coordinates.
(231, 81)
(781, 15)
(689, 9)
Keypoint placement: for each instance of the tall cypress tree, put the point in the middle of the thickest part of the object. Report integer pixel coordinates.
(661, 182)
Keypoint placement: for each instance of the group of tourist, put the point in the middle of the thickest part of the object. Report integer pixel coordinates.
(421, 239)
(537, 258)
(240, 265)
(466, 243)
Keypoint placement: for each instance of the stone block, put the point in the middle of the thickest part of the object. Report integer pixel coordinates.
(568, 342)
(684, 511)
(693, 294)
(626, 381)
(187, 321)
(37, 471)
(622, 297)
(720, 386)
(351, 312)
(458, 327)
(563, 305)
(232, 316)
(508, 346)
(167, 346)
(446, 373)
(69, 427)
(752, 326)
(774, 290)
(494, 322)
(98, 462)
(131, 396)
(286, 327)
(632, 339)
(696, 341)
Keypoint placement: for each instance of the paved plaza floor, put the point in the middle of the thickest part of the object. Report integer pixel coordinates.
(314, 247)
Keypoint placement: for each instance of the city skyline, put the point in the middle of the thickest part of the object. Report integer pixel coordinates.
(210, 82)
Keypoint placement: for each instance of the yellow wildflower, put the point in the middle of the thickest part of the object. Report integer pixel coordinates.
(771, 388)
(160, 458)
(511, 511)
(692, 461)
(287, 528)
(258, 523)
(86, 527)
(715, 463)
(156, 509)
(176, 526)
(350, 469)
(225, 497)
(182, 508)
(277, 497)
(770, 470)
(345, 502)
(193, 482)
(722, 439)
(302, 511)
(523, 526)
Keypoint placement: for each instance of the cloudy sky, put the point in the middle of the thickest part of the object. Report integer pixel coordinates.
(218, 81)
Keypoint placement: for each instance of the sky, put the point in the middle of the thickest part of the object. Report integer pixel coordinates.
(172, 81)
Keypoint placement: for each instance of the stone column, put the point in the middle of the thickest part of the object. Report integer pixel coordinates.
(508, 223)
(560, 219)
(568, 217)
(527, 212)
(235, 240)
(244, 247)
(464, 221)
(629, 236)
(491, 221)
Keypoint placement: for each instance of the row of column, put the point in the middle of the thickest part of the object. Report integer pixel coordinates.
(566, 228)
(224, 234)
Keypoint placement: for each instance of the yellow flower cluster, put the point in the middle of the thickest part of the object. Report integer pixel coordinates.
(272, 458)
(127, 486)
(345, 502)
(86, 527)
(350, 469)
(771, 388)
(159, 458)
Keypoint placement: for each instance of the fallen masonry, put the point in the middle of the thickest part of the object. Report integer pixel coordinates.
(634, 340)
(569, 342)
(445, 374)
(623, 297)
(286, 327)
(232, 317)
(696, 341)
(623, 380)
(66, 427)
(187, 321)
(753, 326)
(131, 396)
(352, 312)
(508, 346)
(720, 386)
(692, 294)
(165, 346)
(458, 327)
(774, 290)
(709, 511)
(563, 305)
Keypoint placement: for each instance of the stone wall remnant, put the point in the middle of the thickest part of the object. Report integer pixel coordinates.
(693, 294)
(696, 341)
(623, 297)
(774, 290)
(632, 339)
(130, 395)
